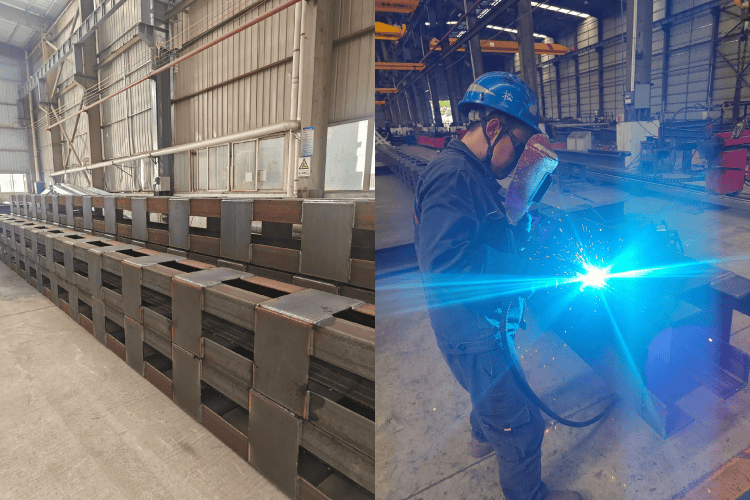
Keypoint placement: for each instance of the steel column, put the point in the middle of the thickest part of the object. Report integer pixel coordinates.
(639, 31)
(556, 63)
(715, 13)
(527, 52)
(475, 49)
(432, 82)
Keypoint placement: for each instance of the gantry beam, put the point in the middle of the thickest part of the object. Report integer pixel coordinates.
(503, 47)
(398, 6)
(387, 32)
(79, 35)
(386, 91)
(396, 66)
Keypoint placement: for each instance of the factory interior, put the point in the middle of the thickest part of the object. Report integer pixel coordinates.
(645, 105)
(187, 233)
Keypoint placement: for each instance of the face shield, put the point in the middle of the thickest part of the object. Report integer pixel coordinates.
(531, 177)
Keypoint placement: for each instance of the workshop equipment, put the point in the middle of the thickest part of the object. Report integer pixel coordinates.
(729, 176)
(728, 163)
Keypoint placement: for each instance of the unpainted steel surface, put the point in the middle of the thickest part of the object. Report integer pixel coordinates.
(283, 331)
(327, 239)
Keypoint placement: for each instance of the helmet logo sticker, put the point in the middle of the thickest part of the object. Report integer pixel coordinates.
(507, 96)
(478, 88)
(532, 109)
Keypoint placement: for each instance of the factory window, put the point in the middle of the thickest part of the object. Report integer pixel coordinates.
(346, 156)
(218, 168)
(271, 163)
(445, 113)
(211, 169)
(200, 170)
(12, 183)
(244, 166)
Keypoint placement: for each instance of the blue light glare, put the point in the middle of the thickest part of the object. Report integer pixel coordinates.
(593, 277)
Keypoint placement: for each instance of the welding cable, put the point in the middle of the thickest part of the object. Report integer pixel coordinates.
(529, 392)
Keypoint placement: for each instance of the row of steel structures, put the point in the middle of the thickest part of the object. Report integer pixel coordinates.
(260, 324)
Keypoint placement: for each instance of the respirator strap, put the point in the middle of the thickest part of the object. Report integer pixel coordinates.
(518, 145)
(490, 145)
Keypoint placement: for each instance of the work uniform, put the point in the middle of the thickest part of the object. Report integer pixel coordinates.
(461, 229)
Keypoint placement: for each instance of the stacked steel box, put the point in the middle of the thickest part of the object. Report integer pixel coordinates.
(322, 244)
(281, 373)
(406, 167)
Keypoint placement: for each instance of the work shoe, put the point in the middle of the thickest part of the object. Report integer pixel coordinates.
(478, 449)
(562, 495)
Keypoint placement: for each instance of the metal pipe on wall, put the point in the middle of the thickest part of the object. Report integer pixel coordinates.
(292, 151)
(298, 145)
(292, 125)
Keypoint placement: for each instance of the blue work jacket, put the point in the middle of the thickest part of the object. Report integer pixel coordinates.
(460, 230)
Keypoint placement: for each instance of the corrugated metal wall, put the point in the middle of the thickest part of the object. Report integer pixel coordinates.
(128, 119)
(354, 42)
(688, 72)
(240, 84)
(14, 149)
(60, 32)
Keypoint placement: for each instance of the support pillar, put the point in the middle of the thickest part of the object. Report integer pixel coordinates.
(315, 94)
(450, 84)
(164, 130)
(422, 88)
(556, 64)
(414, 98)
(38, 173)
(600, 66)
(578, 86)
(45, 89)
(715, 12)
(541, 92)
(432, 82)
(667, 30)
(475, 47)
(638, 63)
(88, 77)
(527, 52)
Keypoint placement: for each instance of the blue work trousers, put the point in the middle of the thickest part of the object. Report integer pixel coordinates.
(503, 416)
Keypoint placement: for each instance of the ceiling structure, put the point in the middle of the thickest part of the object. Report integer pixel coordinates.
(432, 19)
(23, 21)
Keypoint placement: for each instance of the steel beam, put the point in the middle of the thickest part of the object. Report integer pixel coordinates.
(27, 19)
(102, 12)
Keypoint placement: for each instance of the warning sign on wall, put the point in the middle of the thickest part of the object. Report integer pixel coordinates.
(304, 168)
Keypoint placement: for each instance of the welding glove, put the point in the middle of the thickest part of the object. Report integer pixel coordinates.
(522, 231)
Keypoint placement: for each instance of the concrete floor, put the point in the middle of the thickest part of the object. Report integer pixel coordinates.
(80, 423)
(422, 416)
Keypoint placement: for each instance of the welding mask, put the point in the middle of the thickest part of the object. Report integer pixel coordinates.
(531, 177)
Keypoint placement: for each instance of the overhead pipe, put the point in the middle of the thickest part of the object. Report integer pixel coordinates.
(181, 59)
(288, 126)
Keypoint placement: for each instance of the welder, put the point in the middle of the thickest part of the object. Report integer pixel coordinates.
(465, 227)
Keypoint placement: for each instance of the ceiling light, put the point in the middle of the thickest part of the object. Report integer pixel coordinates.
(560, 10)
(452, 22)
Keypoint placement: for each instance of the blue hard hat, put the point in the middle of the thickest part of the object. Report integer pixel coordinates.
(503, 92)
